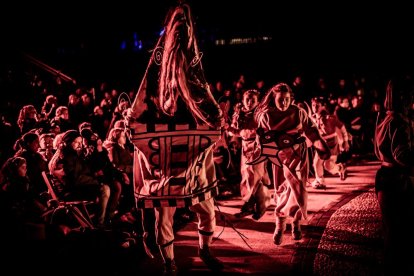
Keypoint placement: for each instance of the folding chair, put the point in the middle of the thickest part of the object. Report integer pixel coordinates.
(76, 209)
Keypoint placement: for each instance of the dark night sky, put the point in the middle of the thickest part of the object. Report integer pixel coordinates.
(335, 36)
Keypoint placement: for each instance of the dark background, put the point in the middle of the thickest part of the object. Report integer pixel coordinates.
(85, 40)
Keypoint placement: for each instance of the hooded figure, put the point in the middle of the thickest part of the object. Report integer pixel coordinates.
(393, 183)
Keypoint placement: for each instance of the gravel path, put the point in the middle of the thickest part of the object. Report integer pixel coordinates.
(352, 241)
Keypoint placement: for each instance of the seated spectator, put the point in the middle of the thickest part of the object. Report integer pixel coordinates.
(19, 204)
(69, 165)
(62, 119)
(102, 168)
(28, 148)
(28, 119)
(46, 146)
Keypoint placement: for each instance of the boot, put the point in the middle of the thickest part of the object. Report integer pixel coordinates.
(296, 231)
(246, 209)
(260, 211)
(212, 262)
(262, 199)
(342, 172)
(280, 228)
(167, 254)
(170, 268)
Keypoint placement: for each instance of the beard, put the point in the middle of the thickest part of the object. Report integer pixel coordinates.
(79, 150)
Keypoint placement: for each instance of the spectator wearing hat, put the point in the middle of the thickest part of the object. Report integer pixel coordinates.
(69, 164)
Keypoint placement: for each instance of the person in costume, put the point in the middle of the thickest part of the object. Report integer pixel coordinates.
(175, 122)
(283, 127)
(253, 185)
(334, 133)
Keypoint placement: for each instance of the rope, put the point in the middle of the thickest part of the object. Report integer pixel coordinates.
(226, 221)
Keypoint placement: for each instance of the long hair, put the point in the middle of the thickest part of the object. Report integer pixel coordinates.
(268, 100)
(180, 73)
(9, 169)
(24, 116)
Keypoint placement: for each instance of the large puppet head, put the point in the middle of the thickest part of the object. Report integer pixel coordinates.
(175, 75)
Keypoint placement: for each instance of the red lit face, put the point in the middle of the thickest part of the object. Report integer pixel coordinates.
(316, 107)
(250, 101)
(122, 139)
(77, 144)
(345, 103)
(34, 145)
(22, 170)
(282, 100)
